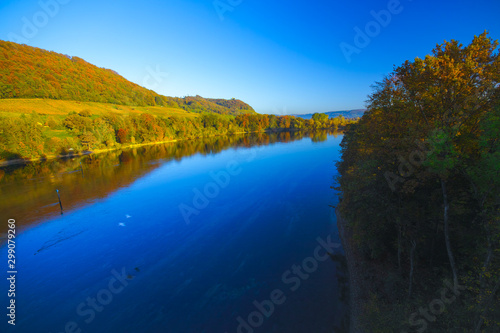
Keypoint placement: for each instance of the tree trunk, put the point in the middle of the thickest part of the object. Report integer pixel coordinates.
(447, 234)
(487, 260)
(412, 256)
(399, 249)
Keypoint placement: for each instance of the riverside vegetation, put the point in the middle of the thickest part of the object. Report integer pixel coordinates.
(36, 135)
(53, 104)
(420, 190)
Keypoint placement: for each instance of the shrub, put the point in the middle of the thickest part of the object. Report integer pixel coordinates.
(85, 113)
(122, 135)
(52, 122)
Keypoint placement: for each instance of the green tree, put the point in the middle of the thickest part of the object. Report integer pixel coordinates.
(320, 119)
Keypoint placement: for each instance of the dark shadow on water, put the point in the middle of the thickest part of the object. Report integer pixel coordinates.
(343, 289)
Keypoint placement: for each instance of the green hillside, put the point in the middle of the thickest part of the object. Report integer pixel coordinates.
(13, 107)
(33, 73)
(55, 105)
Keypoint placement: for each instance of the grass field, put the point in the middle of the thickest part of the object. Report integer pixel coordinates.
(16, 107)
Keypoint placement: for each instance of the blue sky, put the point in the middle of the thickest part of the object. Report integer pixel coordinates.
(281, 57)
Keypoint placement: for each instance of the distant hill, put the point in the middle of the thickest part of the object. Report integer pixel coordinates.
(350, 114)
(30, 72)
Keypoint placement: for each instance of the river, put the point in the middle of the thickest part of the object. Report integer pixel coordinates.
(225, 234)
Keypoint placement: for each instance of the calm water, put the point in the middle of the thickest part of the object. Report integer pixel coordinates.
(217, 235)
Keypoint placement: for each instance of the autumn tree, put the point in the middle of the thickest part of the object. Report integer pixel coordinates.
(417, 164)
(450, 91)
(320, 119)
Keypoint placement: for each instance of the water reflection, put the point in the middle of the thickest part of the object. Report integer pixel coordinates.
(29, 191)
(200, 277)
(318, 136)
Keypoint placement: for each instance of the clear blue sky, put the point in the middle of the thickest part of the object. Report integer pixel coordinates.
(278, 56)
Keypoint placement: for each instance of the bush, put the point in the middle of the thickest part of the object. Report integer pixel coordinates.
(88, 140)
(85, 113)
(54, 145)
(122, 135)
(52, 123)
(77, 123)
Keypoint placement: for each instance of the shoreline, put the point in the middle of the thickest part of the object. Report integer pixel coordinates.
(21, 161)
(98, 151)
(355, 277)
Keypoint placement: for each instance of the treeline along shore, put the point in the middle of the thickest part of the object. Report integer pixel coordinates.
(419, 184)
(53, 105)
(35, 136)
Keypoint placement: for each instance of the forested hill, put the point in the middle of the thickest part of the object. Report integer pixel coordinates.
(350, 114)
(30, 72)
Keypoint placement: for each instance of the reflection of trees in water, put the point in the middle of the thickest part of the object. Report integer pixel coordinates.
(343, 289)
(28, 191)
(318, 136)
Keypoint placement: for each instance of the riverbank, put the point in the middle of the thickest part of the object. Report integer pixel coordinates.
(354, 266)
(98, 151)
(129, 146)
(83, 153)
